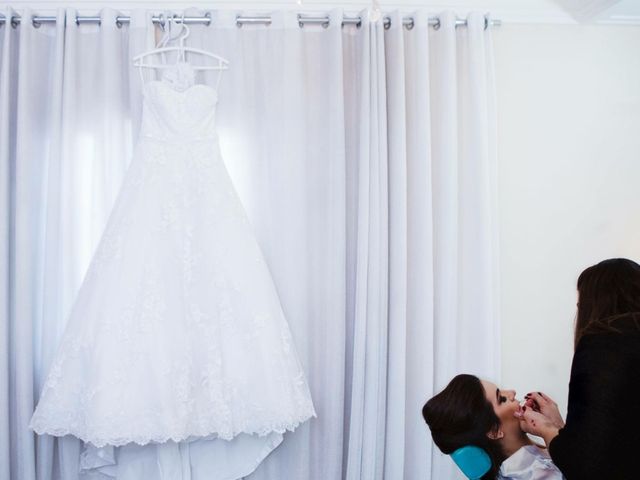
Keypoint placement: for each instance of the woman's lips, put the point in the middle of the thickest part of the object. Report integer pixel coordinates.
(521, 406)
(529, 403)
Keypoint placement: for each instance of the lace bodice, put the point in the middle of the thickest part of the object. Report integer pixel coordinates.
(175, 108)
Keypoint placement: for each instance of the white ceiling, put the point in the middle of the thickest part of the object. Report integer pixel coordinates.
(603, 11)
(509, 11)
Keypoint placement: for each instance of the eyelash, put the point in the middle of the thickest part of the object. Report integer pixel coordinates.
(502, 399)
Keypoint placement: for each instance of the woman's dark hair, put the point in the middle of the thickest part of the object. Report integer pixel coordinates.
(461, 415)
(608, 293)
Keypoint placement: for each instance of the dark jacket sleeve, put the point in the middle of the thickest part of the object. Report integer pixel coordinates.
(603, 391)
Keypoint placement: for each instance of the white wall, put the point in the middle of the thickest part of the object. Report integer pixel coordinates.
(569, 165)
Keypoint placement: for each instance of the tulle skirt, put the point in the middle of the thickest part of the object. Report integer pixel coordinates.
(177, 331)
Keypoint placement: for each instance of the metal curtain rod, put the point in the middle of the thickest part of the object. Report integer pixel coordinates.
(242, 20)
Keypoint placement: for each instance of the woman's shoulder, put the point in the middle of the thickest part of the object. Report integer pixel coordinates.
(529, 463)
(621, 334)
(613, 330)
(606, 360)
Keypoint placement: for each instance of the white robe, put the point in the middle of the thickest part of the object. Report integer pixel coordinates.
(529, 463)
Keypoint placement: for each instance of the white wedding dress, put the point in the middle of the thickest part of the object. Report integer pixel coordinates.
(177, 332)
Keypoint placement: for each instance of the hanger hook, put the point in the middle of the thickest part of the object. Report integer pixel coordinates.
(171, 22)
(185, 28)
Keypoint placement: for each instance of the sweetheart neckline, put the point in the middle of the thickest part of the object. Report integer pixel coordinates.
(181, 92)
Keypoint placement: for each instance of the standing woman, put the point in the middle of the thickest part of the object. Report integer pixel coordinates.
(601, 438)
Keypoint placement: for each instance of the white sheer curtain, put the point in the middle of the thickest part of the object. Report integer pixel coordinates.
(365, 159)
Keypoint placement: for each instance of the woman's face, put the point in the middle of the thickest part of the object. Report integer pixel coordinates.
(504, 405)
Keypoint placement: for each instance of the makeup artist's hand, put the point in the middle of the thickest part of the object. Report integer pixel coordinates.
(539, 402)
(537, 424)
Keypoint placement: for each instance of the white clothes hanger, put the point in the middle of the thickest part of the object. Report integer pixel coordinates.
(223, 63)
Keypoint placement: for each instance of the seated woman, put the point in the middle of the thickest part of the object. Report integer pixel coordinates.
(470, 411)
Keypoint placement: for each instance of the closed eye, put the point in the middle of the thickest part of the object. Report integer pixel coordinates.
(500, 398)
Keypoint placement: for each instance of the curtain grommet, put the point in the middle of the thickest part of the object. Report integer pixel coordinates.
(14, 21)
(411, 24)
(238, 22)
(118, 22)
(436, 26)
(35, 23)
(207, 15)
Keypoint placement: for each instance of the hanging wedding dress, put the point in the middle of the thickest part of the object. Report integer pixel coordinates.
(177, 333)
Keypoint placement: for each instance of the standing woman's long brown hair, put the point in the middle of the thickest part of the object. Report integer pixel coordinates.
(608, 293)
